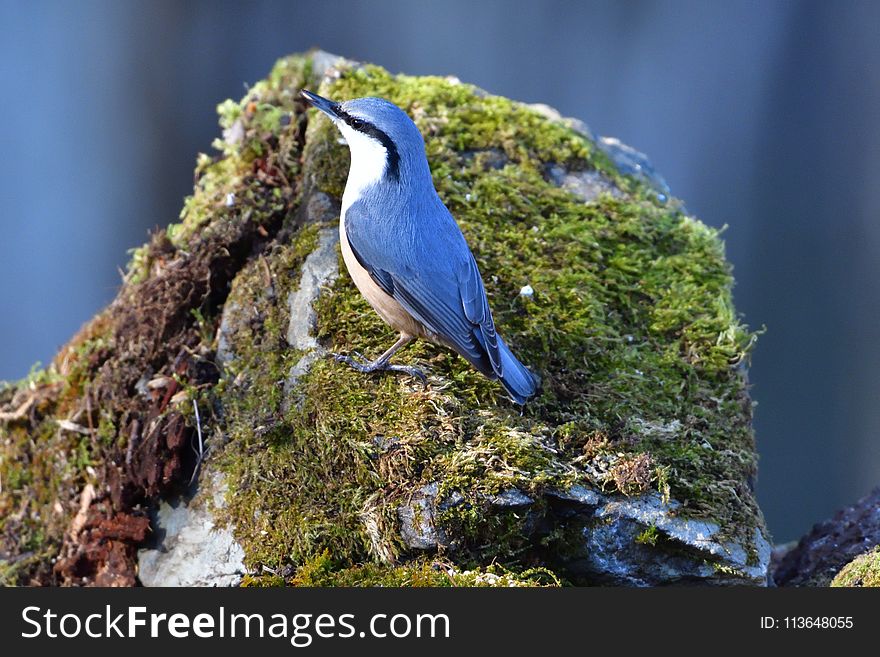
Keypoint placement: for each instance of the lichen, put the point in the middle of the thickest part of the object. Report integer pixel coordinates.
(864, 570)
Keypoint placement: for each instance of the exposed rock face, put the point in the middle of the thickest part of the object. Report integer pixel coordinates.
(631, 162)
(617, 543)
(821, 554)
(633, 467)
(188, 549)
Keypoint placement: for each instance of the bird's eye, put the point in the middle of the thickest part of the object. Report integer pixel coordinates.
(357, 124)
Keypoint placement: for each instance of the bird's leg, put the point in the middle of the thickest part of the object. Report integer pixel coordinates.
(381, 364)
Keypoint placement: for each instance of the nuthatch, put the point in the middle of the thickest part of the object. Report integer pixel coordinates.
(404, 250)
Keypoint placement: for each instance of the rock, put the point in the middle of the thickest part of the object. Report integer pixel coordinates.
(188, 549)
(575, 124)
(585, 184)
(634, 466)
(232, 314)
(634, 163)
(511, 497)
(615, 549)
(320, 268)
(417, 527)
(579, 495)
(618, 538)
(830, 545)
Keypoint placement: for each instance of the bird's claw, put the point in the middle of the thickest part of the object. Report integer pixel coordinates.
(414, 372)
(353, 362)
(367, 367)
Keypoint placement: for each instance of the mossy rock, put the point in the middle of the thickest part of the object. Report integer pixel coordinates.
(864, 570)
(634, 466)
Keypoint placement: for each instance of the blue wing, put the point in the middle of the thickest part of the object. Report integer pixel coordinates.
(429, 269)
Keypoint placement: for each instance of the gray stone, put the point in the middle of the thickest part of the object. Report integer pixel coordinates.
(326, 64)
(830, 545)
(385, 443)
(320, 268)
(588, 185)
(575, 124)
(189, 549)
(612, 554)
(511, 497)
(417, 528)
(453, 499)
(578, 494)
(631, 162)
(228, 320)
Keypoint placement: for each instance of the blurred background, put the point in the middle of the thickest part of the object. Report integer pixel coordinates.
(761, 115)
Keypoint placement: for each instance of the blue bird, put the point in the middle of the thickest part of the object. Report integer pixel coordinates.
(405, 252)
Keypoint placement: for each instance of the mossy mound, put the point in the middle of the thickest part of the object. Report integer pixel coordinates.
(639, 452)
(864, 570)
(108, 427)
(630, 325)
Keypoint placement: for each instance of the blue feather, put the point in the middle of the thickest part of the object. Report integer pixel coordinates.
(404, 236)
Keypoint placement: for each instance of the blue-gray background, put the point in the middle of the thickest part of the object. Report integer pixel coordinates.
(761, 115)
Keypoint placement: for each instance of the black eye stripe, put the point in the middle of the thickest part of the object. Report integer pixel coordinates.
(367, 128)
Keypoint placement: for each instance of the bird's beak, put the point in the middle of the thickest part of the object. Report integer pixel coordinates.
(329, 107)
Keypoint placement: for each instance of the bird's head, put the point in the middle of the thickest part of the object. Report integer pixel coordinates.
(381, 137)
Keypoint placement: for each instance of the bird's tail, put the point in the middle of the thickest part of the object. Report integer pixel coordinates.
(519, 382)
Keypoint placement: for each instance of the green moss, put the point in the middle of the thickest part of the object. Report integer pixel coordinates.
(42, 468)
(864, 570)
(43, 465)
(278, 462)
(631, 327)
(252, 178)
(649, 536)
(327, 158)
(632, 314)
(322, 571)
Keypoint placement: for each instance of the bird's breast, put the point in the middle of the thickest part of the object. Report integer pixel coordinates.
(385, 305)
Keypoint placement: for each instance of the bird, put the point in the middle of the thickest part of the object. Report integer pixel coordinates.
(405, 252)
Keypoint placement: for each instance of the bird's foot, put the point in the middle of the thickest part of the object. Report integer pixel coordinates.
(361, 364)
(414, 372)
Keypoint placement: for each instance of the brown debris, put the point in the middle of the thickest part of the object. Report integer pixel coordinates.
(125, 376)
(632, 475)
(154, 339)
(19, 413)
(26, 402)
(79, 520)
(104, 551)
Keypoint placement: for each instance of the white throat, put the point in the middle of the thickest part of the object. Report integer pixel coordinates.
(368, 161)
